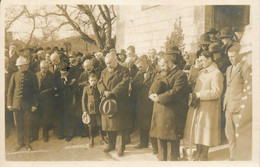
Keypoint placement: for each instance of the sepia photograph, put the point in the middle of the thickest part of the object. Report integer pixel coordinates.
(129, 82)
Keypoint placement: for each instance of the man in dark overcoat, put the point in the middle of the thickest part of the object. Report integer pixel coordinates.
(46, 98)
(144, 106)
(114, 82)
(170, 109)
(65, 107)
(22, 100)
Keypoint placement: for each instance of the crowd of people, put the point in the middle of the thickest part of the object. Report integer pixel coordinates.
(167, 96)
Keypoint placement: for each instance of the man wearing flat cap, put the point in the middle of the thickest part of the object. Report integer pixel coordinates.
(114, 82)
(170, 109)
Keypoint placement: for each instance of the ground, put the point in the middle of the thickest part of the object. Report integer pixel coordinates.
(77, 150)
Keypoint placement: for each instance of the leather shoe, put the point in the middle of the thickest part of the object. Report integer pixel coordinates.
(140, 146)
(68, 138)
(28, 147)
(17, 148)
(108, 149)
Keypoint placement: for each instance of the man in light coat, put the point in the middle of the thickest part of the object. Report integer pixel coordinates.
(233, 97)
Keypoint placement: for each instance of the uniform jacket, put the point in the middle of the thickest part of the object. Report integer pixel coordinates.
(90, 100)
(23, 90)
(144, 106)
(209, 84)
(169, 115)
(234, 90)
(118, 83)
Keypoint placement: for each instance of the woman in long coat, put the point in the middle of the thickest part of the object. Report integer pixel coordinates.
(208, 89)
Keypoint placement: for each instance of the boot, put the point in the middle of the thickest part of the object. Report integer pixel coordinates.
(204, 153)
(197, 153)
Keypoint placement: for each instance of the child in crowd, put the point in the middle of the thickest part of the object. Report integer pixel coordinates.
(90, 105)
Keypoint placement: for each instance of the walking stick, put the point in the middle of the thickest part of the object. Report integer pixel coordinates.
(191, 132)
(15, 123)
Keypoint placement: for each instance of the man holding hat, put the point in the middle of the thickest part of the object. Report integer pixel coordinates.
(22, 100)
(170, 109)
(114, 84)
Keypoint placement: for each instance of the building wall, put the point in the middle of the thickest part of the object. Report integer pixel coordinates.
(147, 28)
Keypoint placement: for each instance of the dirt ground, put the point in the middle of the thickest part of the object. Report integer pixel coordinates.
(77, 150)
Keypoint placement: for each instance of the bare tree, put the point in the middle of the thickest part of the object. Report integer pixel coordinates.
(94, 23)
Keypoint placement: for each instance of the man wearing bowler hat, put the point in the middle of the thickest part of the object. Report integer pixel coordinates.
(114, 83)
(170, 108)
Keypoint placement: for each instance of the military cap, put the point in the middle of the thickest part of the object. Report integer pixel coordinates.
(226, 33)
(214, 47)
(108, 107)
(212, 31)
(204, 39)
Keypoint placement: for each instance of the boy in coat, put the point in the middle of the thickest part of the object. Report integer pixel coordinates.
(90, 105)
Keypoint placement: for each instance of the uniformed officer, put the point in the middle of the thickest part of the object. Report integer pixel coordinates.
(22, 100)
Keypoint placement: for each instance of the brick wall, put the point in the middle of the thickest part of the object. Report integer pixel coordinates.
(149, 28)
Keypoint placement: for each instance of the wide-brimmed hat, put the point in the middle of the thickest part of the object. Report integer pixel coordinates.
(158, 87)
(212, 31)
(108, 107)
(86, 119)
(204, 39)
(226, 33)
